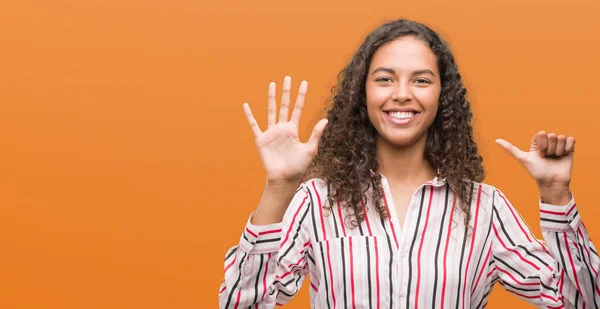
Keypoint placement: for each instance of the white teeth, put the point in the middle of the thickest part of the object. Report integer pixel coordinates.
(402, 115)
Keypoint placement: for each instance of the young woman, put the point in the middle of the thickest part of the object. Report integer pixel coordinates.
(394, 214)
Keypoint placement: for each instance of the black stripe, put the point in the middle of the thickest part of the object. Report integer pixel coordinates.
(360, 228)
(412, 246)
(537, 291)
(510, 239)
(594, 251)
(462, 253)
(587, 266)
(337, 235)
(296, 234)
(246, 238)
(268, 240)
(532, 255)
(484, 242)
(555, 221)
(258, 279)
(506, 234)
(389, 241)
(562, 257)
(437, 250)
(314, 221)
(325, 275)
(234, 250)
(511, 268)
(344, 274)
(237, 281)
(310, 258)
(487, 293)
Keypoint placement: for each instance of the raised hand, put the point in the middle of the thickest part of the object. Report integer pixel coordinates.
(549, 162)
(284, 157)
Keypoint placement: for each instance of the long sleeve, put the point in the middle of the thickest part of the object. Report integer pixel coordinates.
(561, 274)
(269, 264)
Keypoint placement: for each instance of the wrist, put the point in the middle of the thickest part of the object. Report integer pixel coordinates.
(555, 193)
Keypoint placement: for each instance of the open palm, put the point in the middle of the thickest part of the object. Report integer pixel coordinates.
(284, 157)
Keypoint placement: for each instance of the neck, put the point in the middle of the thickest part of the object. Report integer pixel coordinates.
(404, 165)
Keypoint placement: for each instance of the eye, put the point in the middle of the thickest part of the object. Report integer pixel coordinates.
(422, 81)
(384, 79)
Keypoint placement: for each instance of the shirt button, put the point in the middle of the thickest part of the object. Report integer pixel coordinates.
(402, 294)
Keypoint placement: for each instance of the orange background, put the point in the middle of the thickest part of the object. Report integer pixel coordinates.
(127, 168)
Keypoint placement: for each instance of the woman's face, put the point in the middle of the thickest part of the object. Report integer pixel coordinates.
(403, 89)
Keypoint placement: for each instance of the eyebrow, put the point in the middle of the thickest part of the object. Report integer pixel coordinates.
(392, 71)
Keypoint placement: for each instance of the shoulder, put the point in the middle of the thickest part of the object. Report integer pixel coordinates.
(315, 187)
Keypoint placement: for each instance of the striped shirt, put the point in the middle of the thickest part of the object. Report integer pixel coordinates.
(432, 261)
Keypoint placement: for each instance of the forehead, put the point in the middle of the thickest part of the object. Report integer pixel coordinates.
(405, 54)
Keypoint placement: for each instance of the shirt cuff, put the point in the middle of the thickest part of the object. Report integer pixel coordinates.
(261, 238)
(559, 218)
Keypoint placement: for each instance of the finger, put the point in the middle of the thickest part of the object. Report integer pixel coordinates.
(285, 99)
(313, 141)
(299, 105)
(561, 140)
(539, 143)
(251, 121)
(512, 150)
(570, 145)
(272, 105)
(552, 139)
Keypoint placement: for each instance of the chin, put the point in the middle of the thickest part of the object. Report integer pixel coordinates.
(401, 141)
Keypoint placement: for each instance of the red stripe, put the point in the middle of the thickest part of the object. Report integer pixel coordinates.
(287, 234)
(313, 286)
(572, 207)
(223, 289)
(552, 212)
(482, 270)
(390, 218)
(513, 251)
(491, 272)
(270, 232)
(265, 276)
(549, 297)
(332, 281)
(515, 216)
(341, 218)
(377, 272)
(237, 302)
(515, 280)
(250, 232)
(588, 252)
(352, 273)
(446, 251)
(227, 267)
(571, 261)
(472, 243)
(421, 247)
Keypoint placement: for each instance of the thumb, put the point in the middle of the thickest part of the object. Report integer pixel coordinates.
(313, 141)
(513, 150)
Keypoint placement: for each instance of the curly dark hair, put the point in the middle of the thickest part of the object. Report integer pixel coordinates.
(347, 153)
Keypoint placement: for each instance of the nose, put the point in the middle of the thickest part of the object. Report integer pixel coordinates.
(402, 93)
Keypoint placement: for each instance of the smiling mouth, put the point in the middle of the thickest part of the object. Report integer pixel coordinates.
(402, 115)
